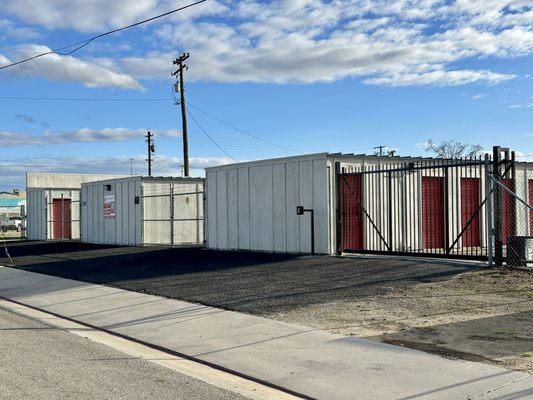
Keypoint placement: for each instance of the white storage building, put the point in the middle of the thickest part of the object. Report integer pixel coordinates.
(53, 204)
(360, 203)
(140, 211)
(252, 206)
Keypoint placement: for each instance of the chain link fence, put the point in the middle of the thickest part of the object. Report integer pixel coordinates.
(512, 218)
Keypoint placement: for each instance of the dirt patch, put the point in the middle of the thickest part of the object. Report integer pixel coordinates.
(482, 316)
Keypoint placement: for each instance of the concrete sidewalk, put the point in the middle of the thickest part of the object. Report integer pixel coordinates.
(316, 363)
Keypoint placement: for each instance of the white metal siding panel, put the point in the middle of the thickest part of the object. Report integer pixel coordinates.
(233, 209)
(279, 209)
(156, 212)
(243, 192)
(138, 213)
(36, 214)
(188, 212)
(222, 210)
(212, 217)
(134, 224)
(291, 201)
(306, 200)
(83, 214)
(261, 218)
(320, 205)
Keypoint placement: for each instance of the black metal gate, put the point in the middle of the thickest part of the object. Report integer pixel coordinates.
(428, 207)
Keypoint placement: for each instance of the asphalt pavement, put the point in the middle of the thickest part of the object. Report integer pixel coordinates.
(252, 282)
(41, 362)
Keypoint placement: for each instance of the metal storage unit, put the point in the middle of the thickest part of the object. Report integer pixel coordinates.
(53, 204)
(361, 203)
(138, 211)
(252, 205)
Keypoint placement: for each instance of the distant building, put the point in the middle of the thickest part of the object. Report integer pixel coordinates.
(12, 203)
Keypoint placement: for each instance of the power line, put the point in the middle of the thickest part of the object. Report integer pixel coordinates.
(243, 131)
(80, 45)
(82, 98)
(210, 138)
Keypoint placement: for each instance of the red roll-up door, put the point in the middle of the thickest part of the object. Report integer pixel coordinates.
(470, 188)
(508, 211)
(433, 212)
(61, 213)
(350, 193)
(530, 187)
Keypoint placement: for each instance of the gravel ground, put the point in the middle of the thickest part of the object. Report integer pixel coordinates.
(41, 362)
(453, 309)
(482, 316)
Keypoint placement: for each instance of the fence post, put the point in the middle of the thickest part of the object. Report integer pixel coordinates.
(446, 211)
(496, 174)
(172, 213)
(489, 212)
(389, 207)
(338, 217)
(513, 199)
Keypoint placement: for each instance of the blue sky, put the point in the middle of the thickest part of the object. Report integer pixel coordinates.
(306, 75)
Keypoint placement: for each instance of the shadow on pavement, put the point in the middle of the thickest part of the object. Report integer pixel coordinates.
(252, 282)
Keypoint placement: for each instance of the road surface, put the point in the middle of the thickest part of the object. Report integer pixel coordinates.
(41, 362)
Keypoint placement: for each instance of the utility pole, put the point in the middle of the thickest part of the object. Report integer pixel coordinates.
(131, 166)
(151, 150)
(181, 66)
(380, 149)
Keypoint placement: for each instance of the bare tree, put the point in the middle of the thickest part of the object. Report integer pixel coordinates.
(453, 149)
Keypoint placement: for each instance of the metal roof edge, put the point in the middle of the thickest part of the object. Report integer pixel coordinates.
(147, 178)
(311, 156)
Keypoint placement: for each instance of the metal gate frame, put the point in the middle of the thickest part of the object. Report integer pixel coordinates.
(392, 210)
(172, 195)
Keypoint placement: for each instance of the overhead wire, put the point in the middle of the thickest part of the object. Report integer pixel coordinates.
(79, 45)
(210, 138)
(242, 130)
(83, 98)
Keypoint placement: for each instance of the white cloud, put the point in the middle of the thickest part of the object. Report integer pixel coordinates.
(518, 106)
(12, 172)
(479, 96)
(9, 30)
(66, 68)
(99, 15)
(85, 135)
(387, 42)
(440, 78)
(313, 41)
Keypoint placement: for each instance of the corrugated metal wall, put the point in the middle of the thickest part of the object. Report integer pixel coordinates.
(252, 206)
(36, 214)
(173, 211)
(122, 229)
(40, 216)
(146, 211)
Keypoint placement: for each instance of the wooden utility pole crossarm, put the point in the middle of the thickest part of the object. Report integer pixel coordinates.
(179, 72)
